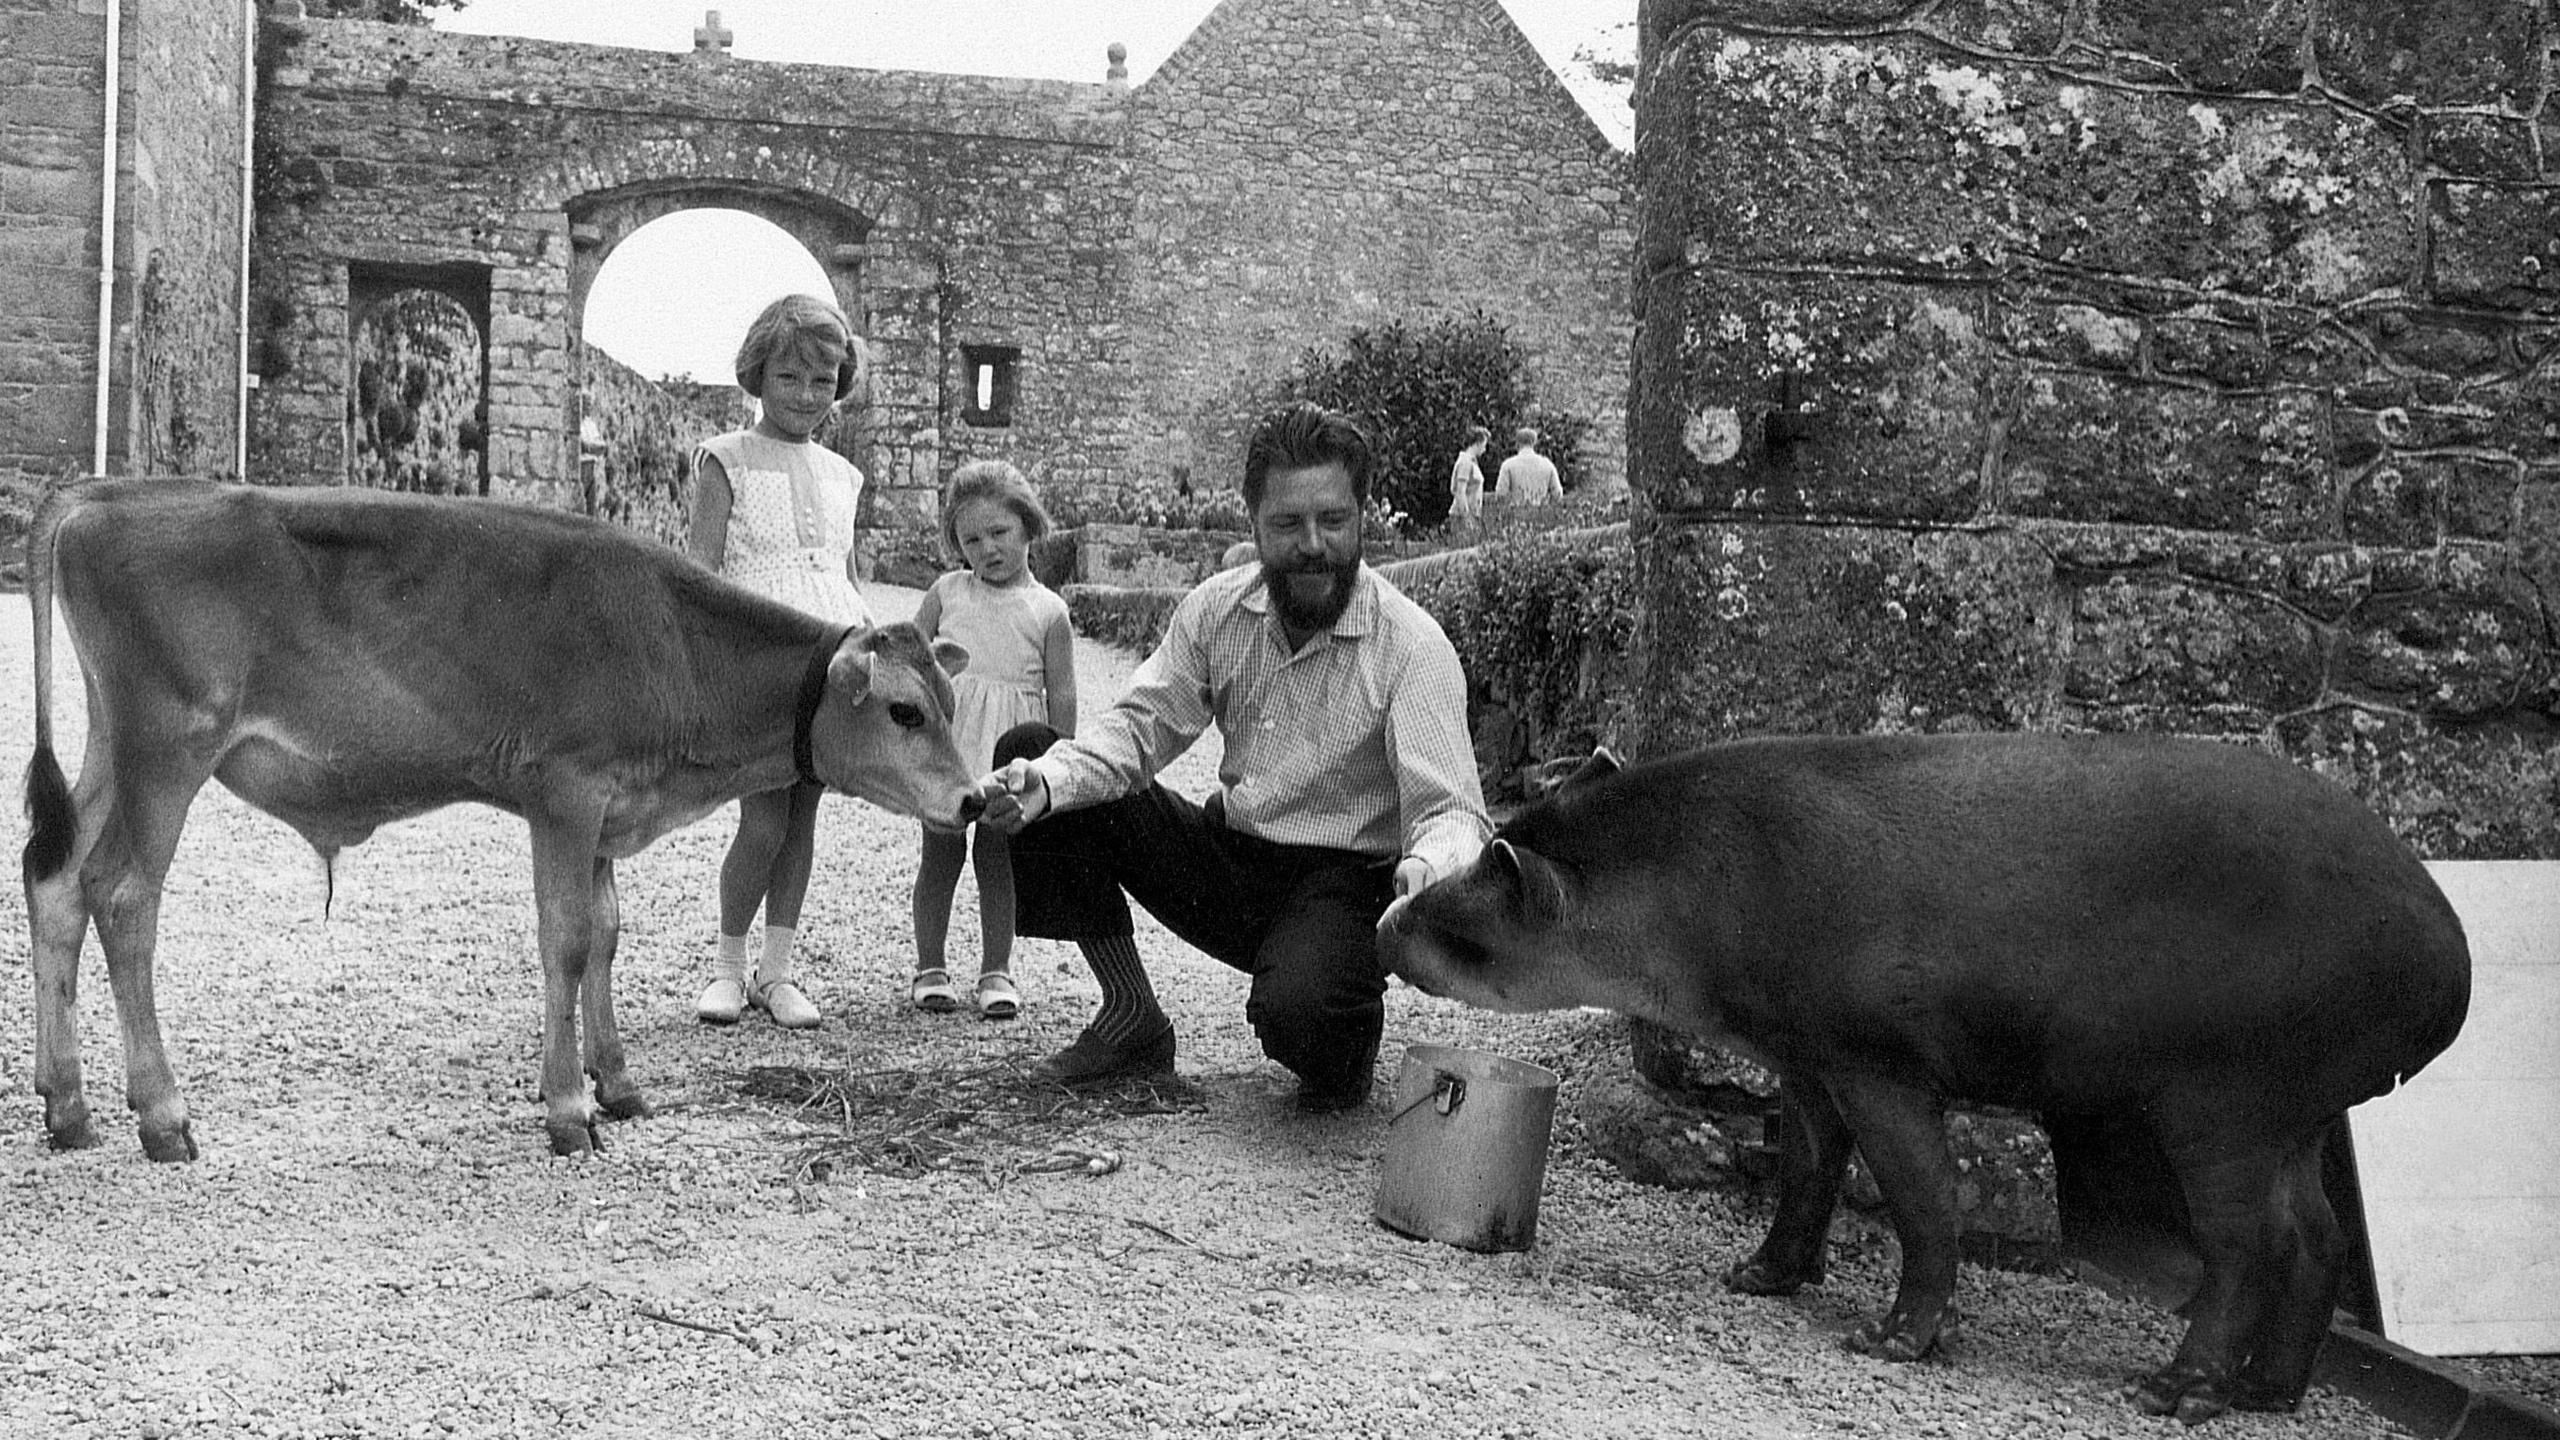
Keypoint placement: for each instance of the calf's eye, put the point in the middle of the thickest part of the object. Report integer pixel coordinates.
(907, 716)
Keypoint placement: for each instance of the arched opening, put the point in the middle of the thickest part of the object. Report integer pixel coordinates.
(663, 320)
(674, 298)
(419, 367)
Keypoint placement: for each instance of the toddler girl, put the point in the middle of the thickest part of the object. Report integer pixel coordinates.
(1021, 667)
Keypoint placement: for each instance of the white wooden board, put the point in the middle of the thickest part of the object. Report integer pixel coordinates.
(2460, 1168)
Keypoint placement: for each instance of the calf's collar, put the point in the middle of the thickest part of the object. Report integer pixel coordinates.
(804, 707)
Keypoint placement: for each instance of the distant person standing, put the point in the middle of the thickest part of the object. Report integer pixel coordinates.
(1466, 484)
(1528, 480)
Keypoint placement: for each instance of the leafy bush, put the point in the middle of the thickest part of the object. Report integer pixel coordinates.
(1544, 622)
(1418, 387)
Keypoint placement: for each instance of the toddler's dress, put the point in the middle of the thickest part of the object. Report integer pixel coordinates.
(1007, 682)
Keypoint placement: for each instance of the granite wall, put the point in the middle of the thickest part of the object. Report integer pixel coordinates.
(174, 369)
(2027, 366)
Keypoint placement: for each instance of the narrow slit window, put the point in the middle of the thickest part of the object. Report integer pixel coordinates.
(992, 372)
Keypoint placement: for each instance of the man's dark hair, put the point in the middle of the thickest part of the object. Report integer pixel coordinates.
(1299, 435)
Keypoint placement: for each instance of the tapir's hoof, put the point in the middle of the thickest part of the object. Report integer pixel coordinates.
(2188, 1394)
(1758, 1277)
(1900, 1346)
(574, 1137)
(170, 1143)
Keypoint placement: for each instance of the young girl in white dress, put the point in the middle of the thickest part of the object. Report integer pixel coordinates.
(1022, 667)
(774, 510)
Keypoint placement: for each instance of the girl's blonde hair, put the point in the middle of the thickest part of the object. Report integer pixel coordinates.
(795, 320)
(997, 481)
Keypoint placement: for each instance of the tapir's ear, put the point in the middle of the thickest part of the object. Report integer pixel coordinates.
(1600, 766)
(1531, 878)
(952, 655)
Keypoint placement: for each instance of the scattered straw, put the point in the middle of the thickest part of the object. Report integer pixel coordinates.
(996, 1121)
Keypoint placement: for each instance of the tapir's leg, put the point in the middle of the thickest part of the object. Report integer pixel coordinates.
(121, 882)
(2303, 1279)
(2229, 1173)
(1901, 1131)
(1813, 1160)
(58, 922)
(616, 1095)
(564, 857)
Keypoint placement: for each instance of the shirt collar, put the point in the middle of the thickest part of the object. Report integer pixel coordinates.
(1357, 619)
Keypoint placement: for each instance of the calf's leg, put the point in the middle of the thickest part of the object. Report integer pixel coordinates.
(1813, 1160)
(121, 882)
(58, 923)
(564, 922)
(616, 1095)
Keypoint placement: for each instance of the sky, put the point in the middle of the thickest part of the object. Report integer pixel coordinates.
(659, 307)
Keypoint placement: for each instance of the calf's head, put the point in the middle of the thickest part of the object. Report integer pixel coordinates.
(882, 731)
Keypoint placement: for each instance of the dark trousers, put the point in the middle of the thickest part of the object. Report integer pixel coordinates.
(1300, 919)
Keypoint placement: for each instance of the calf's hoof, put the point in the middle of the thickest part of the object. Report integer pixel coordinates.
(167, 1143)
(71, 1132)
(2188, 1394)
(629, 1106)
(575, 1136)
(1756, 1276)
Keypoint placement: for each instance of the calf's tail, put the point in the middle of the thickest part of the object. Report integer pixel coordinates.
(52, 825)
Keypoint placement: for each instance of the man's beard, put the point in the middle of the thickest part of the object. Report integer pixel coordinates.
(1318, 612)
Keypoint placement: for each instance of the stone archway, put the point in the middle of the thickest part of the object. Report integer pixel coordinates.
(834, 234)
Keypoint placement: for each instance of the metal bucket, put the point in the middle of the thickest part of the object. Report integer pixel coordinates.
(1466, 1153)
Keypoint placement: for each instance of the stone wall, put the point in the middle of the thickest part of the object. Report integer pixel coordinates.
(174, 401)
(1307, 167)
(1141, 259)
(2031, 367)
(502, 171)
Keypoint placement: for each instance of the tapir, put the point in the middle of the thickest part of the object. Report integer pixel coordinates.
(2201, 940)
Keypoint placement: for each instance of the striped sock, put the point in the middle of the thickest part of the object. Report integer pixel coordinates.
(1129, 1008)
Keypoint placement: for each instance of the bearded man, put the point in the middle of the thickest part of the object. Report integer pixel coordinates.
(1347, 780)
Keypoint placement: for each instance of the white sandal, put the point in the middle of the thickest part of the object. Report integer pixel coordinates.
(931, 990)
(786, 1003)
(997, 999)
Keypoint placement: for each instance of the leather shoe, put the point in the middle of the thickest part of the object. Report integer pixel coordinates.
(1093, 1060)
(1315, 1099)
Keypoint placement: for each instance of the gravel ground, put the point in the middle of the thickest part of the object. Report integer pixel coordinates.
(376, 1242)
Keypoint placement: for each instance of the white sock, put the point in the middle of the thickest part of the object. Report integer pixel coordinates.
(776, 964)
(731, 962)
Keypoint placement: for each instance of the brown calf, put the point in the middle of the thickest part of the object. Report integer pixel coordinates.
(341, 658)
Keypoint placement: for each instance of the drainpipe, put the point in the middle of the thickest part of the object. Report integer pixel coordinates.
(248, 199)
(107, 238)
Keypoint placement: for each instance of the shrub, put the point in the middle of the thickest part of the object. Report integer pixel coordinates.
(1418, 387)
(1544, 622)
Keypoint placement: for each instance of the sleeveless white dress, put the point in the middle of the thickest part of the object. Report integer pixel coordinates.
(791, 522)
(1007, 681)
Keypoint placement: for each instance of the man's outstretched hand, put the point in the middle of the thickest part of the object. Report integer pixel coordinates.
(1015, 796)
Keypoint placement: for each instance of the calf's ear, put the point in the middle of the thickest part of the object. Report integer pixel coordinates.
(951, 655)
(851, 671)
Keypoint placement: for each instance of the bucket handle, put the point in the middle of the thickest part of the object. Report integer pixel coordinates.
(1447, 1093)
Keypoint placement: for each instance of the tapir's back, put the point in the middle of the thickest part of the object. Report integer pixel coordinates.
(2042, 915)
